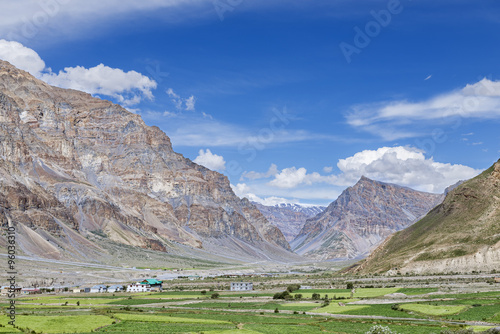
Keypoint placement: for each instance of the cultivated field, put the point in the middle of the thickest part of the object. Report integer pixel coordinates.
(402, 309)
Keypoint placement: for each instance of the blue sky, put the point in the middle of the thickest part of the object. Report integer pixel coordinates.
(264, 92)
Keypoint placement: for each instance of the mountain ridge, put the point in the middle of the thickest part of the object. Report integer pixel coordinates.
(462, 234)
(360, 219)
(74, 166)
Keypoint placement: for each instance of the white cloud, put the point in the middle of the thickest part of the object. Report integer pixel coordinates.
(190, 103)
(404, 166)
(273, 170)
(327, 169)
(23, 20)
(390, 119)
(129, 88)
(210, 160)
(180, 103)
(293, 177)
(22, 57)
(243, 190)
(268, 195)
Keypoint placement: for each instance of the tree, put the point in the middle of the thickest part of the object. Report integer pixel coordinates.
(316, 296)
(298, 296)
(215, 295)
(204, 292)
(293, 287)
(276, 310)
(282, 295)
(350, 285)
(78, 303)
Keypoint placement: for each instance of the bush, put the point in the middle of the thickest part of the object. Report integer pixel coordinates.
(298, 296)
(316, 296)
(350, 286)
(276, 310)
(293, 287)
(282, 295)
(378, 329)
(204, 292)
(215, 295)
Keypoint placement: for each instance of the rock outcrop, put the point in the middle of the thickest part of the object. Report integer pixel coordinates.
(360, 219)
(74, 167)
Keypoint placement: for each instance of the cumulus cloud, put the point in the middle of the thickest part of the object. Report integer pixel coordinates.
(128, 88)
(389, 120)
(210, 160)
(22, 57)
(293, 177)
(405, 166)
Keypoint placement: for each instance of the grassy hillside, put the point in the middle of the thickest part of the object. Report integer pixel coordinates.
(467, 221)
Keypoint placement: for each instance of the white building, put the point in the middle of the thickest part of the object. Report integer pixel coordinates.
(138, 287)
(98, 288)
(115, 288)
(241, 286)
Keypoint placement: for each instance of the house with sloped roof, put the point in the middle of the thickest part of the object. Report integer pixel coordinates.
(155, 285)
(115, 288)
(98, 288)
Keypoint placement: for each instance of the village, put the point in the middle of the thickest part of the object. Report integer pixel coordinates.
(145, 285)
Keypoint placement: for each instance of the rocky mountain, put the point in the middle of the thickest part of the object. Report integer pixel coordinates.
(77, 172)
(460, 235)
(289, 217)
(360, 219)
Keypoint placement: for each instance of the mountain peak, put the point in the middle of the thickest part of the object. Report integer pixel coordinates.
(78, 173)
(362, 217)
(459, 235)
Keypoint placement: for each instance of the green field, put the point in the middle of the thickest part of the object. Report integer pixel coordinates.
(433, 310)
(255, 312)
(60, 324)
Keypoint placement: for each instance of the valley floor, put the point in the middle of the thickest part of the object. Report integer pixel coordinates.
(429, 305)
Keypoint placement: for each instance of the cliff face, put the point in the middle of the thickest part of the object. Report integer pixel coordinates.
(462, 234)
(360, 219)
(289, 218)
(72, 166)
